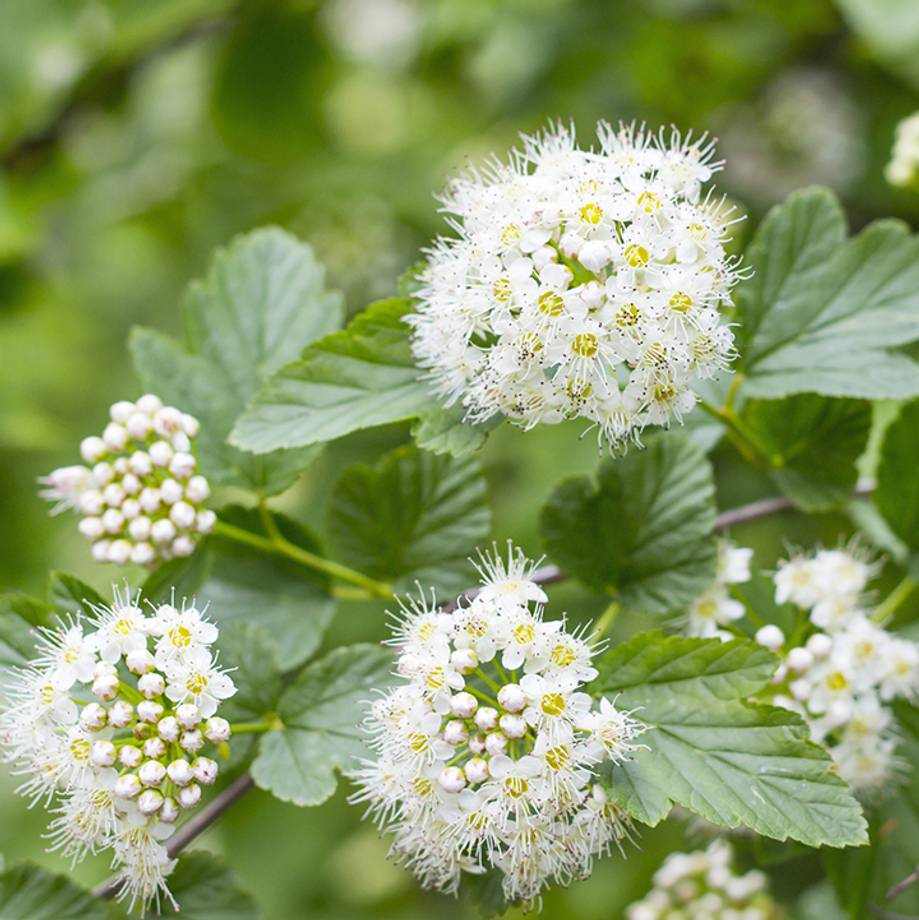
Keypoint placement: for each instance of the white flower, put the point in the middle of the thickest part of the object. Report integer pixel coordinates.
(797, 581)
(129, 512)
(903, 168)
(94, 740)
(733, 563)
(581, 283)
(180, 632)
(475, 765)
(711, 610)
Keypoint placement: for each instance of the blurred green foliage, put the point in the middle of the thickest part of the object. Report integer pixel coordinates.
(137, 136)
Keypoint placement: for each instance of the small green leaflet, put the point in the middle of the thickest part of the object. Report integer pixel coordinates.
(821, 312)
(321, 711)
(28, 892)
(897, 495)
(413, 516)
(644, 530)
(262, 301)
(732, 762)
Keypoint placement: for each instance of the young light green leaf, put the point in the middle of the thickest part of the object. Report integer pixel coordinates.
(261, 303)
(321, 711)
(811, 444)
(820, 312)
(643, 531)
(206, 889)
(28, 892)
(708, 750)
(413, 516)
(897, 494)
(290, 605)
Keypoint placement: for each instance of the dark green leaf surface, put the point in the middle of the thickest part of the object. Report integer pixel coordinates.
(28, 892)
(897, 495)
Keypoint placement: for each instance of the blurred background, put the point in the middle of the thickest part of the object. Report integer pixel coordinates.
(137, 135)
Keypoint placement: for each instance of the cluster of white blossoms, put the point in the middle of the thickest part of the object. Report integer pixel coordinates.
(140, 494)
(841, 678)
(581, 283)
(703, 886)
(110, 722)
(903, 168)
(715, 607)
(486, 755)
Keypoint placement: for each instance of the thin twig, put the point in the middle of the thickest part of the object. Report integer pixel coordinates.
(194, 827)
(548, 574)
(900, 887)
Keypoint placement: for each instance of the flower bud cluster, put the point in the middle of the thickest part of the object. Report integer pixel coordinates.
(715, 607)
(486, 754)
(842, 678)
(703, 886)
(114, 721)
(581, 283)
(903, 168)
(140, 494)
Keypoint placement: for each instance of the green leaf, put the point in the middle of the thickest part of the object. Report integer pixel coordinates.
(443, 431)
(19, 615)
(821, 312)
(811, 444)
(897, 495)
(291, 606)
(321, 711)
(256, 672)
(67, 594)
(708, 750)
(206, 889)
(261, 303)
(890, 28)
(358, 378)
(643, 530)
(413, 516)
(28, 892)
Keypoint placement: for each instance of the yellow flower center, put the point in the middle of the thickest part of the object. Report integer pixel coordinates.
(524, 633)
(553, 704)
(510, 233)
(627, 315)
(180, 636)
(558, 758)
(551, 304)
(418, 742)
(79, 748)
(837, 681)
(649, 201)
(122, 627)
(591, 213)
(636, 256)
(196, 683)
(515, 786)
(681, 302)
(562, 655)
(502, 290)
(435, 678)
(585, 345)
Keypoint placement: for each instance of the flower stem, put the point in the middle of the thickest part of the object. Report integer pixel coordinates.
(889, 605)
(606, 620)
(738, 432)
(278, 544)
(272, 724)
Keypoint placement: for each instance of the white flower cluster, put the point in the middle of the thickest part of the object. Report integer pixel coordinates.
(703, 886)
(715, 607)
(581, 283)
(843, 675)
(486, 755)
(109, 722)
(140, 494)
(903, 168)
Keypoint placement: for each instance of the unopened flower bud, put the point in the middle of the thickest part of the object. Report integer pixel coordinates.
(103, 754)
(160, 453)
(140, 463)
(191, 741)
(120, 411)
(476, 770)
(93, 449)
(182, 465)
(130, 756)
(799, 659)
(170, 491)
(217, 729)
(139, 661)
(119, 552)
(130, 509)
(113, 495)
(90, 502)
(154, 748)
(190, 425)
(182, 515)
(486, 719)
(151, 684)
(151, 773)
(112, 520)
(463, 705)
(205, 770)
(142, 554)
(169, 728)
(121, 714)
(93, 717)
(189, 796)
(819, 645)
(138, 426)
(149, 404)
(188, 715)
(770, 637)
(455, 733)
(105, 687)
(169, 813)
(512, 698)
(464, 660)
(495, 743)
(150, 801)
(127, 786)
(132, 486)
(477, 744)
(139, 528)
(513, 726)
(205, 521)
(452, 779)
(150, 500)
(197, 490)
(91, 527)
(149, 711)
(100, 551)
(182, 547)
(115, 437)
